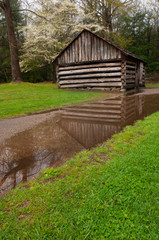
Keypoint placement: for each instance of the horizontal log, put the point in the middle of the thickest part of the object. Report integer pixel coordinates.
(115, 64)
(130, 67)
(88, 62)
(90, 119)
(130, 72)
(111, 101)
(113, 84)
(91, 75)
(130, 82)
(130, 111)
(130, 63)
(130, 76)
(80, 110)
(129, 106)
(108, 106)
(130, 115)
(92, 115)
(130, 79)
(81, 71)
(129, 103)
(90, 80)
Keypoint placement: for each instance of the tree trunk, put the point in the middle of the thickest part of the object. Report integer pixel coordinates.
(16, 73)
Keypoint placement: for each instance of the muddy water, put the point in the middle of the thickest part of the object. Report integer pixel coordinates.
(52, 142)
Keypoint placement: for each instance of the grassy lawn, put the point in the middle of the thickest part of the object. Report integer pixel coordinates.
(26, 97)
(110, 192)
(152, 84)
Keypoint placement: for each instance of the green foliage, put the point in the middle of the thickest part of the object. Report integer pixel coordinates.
(127, 23)
(153, 67)
(24, 98)
(34, 76)
(130, 25)
(106, 13)
(18, 20)
(48, 34)
(133, 27)
(116, 198)
(46, 73)
(141, 28)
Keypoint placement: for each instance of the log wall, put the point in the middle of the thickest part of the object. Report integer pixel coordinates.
(130, 75)
(93, 75)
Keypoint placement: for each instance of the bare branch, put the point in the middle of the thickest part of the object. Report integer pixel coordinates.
(28, 10)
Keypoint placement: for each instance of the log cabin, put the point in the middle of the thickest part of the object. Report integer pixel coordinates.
(89, 61)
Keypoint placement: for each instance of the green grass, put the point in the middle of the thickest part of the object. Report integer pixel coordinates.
(152, 84)
(110, 192)
(22, 98)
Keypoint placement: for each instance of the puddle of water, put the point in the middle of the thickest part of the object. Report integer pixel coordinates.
(26, 154)
(52, 142)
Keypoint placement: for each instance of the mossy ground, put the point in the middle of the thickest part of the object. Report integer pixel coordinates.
(110, 192)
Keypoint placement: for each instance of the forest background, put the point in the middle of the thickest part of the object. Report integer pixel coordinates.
(44, 27)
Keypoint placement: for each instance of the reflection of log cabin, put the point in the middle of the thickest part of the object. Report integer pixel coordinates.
(24, 155)
(91, 61)
(93, 123)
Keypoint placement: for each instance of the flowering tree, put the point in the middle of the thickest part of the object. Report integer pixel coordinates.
(46, 35)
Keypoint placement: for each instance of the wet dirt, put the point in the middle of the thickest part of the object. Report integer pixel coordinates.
(49, 140)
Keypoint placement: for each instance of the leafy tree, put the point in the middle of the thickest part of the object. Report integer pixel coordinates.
(4, 51)
(106, 13)
(142, 29)
(55, 23)
(8, 39)
(53, 26)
